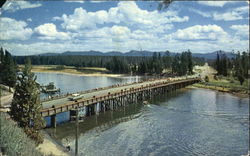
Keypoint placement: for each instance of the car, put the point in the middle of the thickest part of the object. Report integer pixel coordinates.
(75, 97)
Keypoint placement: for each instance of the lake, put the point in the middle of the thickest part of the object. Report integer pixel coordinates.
(74, 83)
(185, 122)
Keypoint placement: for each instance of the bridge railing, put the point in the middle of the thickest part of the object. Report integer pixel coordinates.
(89, 101)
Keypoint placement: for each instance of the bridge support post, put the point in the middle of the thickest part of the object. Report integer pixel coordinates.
(97, 108)
(53, 121)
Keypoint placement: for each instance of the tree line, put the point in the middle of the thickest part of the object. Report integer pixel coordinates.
(180, 64)
(236, 66)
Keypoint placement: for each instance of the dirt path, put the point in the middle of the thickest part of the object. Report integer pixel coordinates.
(50, 147)
(6, 100)
(204, 71)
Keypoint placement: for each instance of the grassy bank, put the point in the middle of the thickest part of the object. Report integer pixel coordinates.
(226, 85)
(83, 71)
(13, 140)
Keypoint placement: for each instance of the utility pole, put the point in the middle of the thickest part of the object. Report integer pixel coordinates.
(77, 125)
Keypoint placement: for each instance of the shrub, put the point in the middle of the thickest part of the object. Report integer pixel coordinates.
(206, 79)
(215, 77)
(232, 81)
(13, 139)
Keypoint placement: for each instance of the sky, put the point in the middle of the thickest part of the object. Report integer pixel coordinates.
(35, 27)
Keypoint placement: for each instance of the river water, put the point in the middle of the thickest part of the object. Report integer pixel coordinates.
(74, 83)
(185, 122)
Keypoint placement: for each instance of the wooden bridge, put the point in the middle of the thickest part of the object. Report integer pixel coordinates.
(112, 97)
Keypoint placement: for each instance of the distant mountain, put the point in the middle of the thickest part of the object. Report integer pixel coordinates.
(206, 56)
(213, 55)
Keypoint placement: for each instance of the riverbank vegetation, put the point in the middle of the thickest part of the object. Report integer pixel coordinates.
(13, 140)
(234, 68)
(232, 74)
(226, 84)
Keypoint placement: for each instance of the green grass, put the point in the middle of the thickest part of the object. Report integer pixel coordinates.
(229, 84)
(13, 139)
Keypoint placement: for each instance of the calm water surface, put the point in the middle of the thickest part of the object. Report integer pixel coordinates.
(185, 122)
(73, 83)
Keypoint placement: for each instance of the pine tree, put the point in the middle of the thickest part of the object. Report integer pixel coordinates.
(240, 75)
(26, 106)
(8, 69)
(190, 62)
(217, 64)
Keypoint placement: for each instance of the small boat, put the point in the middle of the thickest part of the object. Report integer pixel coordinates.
(50, 88)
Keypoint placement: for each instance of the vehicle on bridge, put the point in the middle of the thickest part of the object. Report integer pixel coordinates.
(75, 97)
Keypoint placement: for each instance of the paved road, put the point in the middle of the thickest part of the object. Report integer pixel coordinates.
(98, 93)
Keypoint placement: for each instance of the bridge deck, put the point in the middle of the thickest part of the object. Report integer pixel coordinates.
(99, 94)
(65, 100)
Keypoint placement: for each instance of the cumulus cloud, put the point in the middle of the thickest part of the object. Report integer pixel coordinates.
(234, 14)
(199, 32)
(127, 13)
(242, 31)
(14, 30)
(82, 19)
(48, 31)
(13, 6)
(229, 15)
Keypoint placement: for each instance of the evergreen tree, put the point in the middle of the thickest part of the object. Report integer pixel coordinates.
(240, 75)
(224, 65)
(190, 62)
(8, 69)
(26, 105)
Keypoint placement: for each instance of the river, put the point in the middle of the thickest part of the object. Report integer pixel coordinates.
(186, 122)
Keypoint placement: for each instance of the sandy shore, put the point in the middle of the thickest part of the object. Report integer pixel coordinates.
(50, 147)
(77, 73)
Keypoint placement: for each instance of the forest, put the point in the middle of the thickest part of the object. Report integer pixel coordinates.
(180, 64)
(236, 67)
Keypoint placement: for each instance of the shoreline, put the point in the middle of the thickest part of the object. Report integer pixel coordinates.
(51, 147)
(78, 74)
(220, 89)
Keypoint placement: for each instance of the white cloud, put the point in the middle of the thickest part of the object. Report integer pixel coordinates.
(229, 15)
(202, 13)
(76, 1)
(95, 1)
(29, 19)
(14, 30)
(48, 31)
(13, 6)
(82, 19)
(127, 13)
(199, 32)
(214, 3)
(242, 31)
